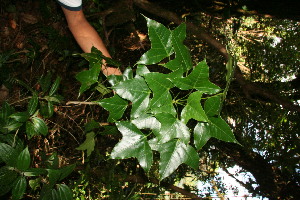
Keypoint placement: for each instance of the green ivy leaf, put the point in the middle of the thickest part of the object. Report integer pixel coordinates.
(198, 79)
(182, 61)
(88, 144)
(135, 90)
(161, 46)
(115, 105)
(193, 109)
(23, 160)
(64, 192)
(54, 86)
(19, 188)
(212, 106)
(39, 126)
(89, 77)
(32, 105)
(133, 144)
(171, 128)
(173, 154)
(162, 100)
(20, 116)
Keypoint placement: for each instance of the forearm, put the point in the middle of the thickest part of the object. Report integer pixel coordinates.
(87, 37)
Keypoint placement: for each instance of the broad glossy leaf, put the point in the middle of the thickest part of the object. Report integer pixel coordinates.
(127, 74)
(133, 144)
(198, 79)
(23, 160)
(89, 77)
(212, 106)
(114, 79)
(115, 105)
(182, 61)
(142, 70)
(32, 104)
(135, 90)
(161, 46)
(162, 100)
(173, 154)
(64, 192)
(221, 130)
(147, 121)
(40, 126)
(217, 128)
(171, 127)
(8, 154)
(54, 86)
(202, 133)
(193, 109)
(88, 144)
(19, 188)
(192, 157)
(20, 116)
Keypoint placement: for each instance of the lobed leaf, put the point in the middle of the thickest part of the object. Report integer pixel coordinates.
(193, 109)
(88, 144)
(182, 61)
(162, 101)
(135, 90)
(171, 128)
(89, 77)
(161, 46)
(198, 79)
(133, 144)
(173, 154)
(115, 105)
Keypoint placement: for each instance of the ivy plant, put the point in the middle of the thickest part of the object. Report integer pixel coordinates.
(159, 118)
